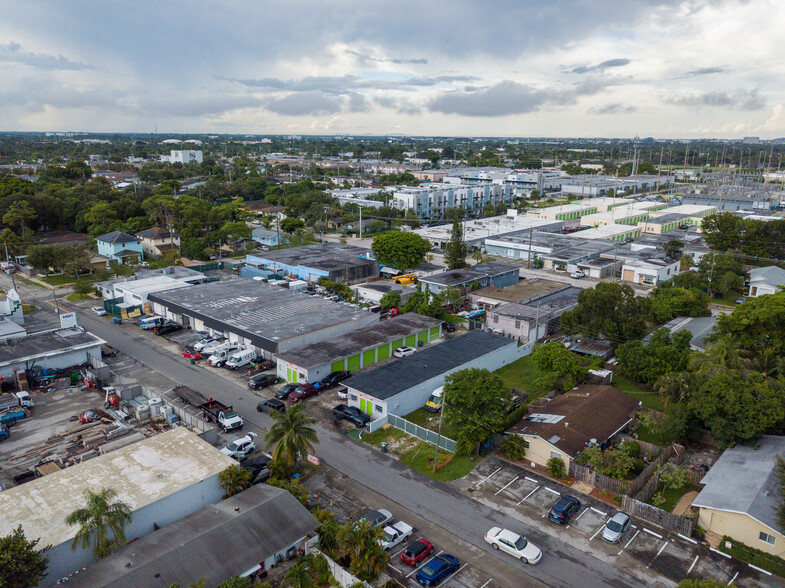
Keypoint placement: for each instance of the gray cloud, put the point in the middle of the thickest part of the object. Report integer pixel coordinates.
(346, 84)
(209, 106)
(358, 103)
(305, 103)
(401, 106)
(601, 67)
(13, 53)
(509, 97)
(615, 108)
(739, 100)
(704, 71)
(400, 61)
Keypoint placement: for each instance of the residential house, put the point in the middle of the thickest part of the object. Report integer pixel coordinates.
(766, 280)
(334, 223)
(157, 241)
(535, 319)
(650, 271)
(491, 273)
(120, 247)
(568, 424)
(741, 496)
(268, 237)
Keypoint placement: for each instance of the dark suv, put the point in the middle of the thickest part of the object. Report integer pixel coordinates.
(283, 393)
(352, 414)
(333, 378)
(260, 381)
(271, 405)
(564, 508)
(167, 328)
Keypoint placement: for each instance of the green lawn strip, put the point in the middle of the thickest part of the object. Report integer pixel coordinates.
(380, 436)
(28, 308)
(30, 282)
(643, 434)
(78, 297)
(59, 280)
(420, 458)
(672, 496)
(520, 374)
(430, 420)
(728, 299)
(753, 556)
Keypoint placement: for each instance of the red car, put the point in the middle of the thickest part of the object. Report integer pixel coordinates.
(303, 392)
(416, 551)
(192, 355)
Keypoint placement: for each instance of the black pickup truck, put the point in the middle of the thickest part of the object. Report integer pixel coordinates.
(352, 414)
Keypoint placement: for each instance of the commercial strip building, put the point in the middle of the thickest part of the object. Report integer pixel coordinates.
(605, 203)
(242, 535)
(531, 245)
(402, 386)
(490, 273)
(625, 215)
(372, 292)
(136, 292)
(475, 232)
(262, 316)
(181, 274)
(740, 496)
(334, 261)
(162, 479)
(563, 212)
(664, 223)
(610, 232)
(571, 422)
(51, 350)
(358, 349)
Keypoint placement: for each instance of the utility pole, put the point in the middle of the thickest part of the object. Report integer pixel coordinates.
(537, 326)
(439, 432)
(530, 248)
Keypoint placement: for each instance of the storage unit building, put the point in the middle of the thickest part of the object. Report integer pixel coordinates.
(51, 350)
(336, 262)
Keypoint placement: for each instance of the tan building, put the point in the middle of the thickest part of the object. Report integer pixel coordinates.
(573, 421)
(157, 241)
(740, 496)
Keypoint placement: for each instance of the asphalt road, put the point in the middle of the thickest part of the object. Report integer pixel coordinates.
(562, 565)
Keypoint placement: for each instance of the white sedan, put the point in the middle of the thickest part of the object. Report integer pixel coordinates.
(513, 544)
(404, 351)
(240, 448)
(99, 310)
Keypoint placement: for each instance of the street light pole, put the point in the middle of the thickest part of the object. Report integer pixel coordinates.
(439, 433)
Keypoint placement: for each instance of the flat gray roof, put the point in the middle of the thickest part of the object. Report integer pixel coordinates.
(44, 344)
(264, 313)
(667, 218)
(326, 257)
(469, 274)
(700, 328)
(390, 379)
(328, 351)
(743, 481)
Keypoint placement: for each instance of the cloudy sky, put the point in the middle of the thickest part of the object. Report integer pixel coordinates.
(481, 67)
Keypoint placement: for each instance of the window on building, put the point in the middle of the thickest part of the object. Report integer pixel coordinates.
(555, 454)
(353, 397)
(766, 538)
(379, 408)
(496, 318)
(517, 324)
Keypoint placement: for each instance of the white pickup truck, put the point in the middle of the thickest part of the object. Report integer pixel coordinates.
(395, 534)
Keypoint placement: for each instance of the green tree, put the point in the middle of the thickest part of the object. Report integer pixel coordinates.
(614, 462)
(399, 249)
(555, 357)
(299, 575)
(755, 326)
(390, 299)
(19, 215)
(455, 250)
(83, 287)
(360, 543)
(193, 248)
(476, 402)
(453, 297)
(673, 248)
(290, 225)
(22, 563)
(779, 474)
(100, 515)
(662, 355)
(328, 531)
(234, 480)
(514, 447)
(671, 478)
(609, 310)
(555, 467)
(43, 258)
(292, 435)
(668, 302)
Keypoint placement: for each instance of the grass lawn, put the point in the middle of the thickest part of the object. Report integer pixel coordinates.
(380, 435)
(673, 495)
(78, 297)
(430, 420)
(59, 280)
(420, 458)
(728, 300)
(640, 392)
(28, 308)
(29, 282)
(520, 374)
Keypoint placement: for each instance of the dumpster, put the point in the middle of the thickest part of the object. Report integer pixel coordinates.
(383, 446)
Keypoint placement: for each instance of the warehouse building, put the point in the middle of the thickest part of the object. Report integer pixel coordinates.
(404, 385)
(334, 261)
(264, 316)
(604, 203)
(534, 244)
(664, 223)
(162, 479)
(609, 232)
(491, 273)
(181, 274)
(51, 350)
(358, 349)
(563, 212)
(136, 292)
(478, 231)
(623, 216)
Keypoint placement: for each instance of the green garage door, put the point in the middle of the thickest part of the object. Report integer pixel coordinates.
(336, 366)
(411, 340)
(354, 362)
(383, 352)
(423, 337)
(434, 333)
(366, 406)
(291, 375)
(397, 344)
(369, 356)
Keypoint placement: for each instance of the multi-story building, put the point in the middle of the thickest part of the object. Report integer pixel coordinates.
(184, 156)
(434, 200)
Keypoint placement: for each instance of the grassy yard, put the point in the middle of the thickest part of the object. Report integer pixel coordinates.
(520, 374)
(672, 496)
(381, 435)
(640, 392)
(728, 300)
(28, 308)
(430, 420)
(420, 458)
(59, 280)
(29, 282)
(78, 297)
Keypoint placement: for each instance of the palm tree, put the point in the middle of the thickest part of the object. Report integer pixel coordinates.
(292, 435)
(350, 538)
(99, 516)
(234, 479)
(299, 576)
(328, 531)
(300, 232)
(360, 542)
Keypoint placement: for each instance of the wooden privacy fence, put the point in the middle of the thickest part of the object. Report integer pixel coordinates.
(659, 517)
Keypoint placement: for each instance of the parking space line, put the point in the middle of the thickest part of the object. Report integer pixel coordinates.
(531, 480)
(662, 548)
(488, 582)
(529, 494)
(487, 478)
(554, 491)
(597, 532)
(720, 552)
(694, 561)
(423, 563)
(657, 535)
(630, 541)
(580, 515)
(732, 579)
(598, 511)
(768, 573)
(458, 571)
(690, 539)
(508, 485)
(397, 554)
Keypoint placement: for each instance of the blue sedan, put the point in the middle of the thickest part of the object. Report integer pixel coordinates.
(436, 570)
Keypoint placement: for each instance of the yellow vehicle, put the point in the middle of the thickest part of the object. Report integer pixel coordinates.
(406, 279)
(434, 403)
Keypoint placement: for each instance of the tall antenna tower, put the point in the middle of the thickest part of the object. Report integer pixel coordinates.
(634, 171)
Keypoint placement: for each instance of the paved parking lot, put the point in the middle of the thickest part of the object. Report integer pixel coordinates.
(644, 548)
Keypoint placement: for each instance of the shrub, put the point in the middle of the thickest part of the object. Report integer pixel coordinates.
(632, 448)
(515, 417)
(514, 447)
(555, 468)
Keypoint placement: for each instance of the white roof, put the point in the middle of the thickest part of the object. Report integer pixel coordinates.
(559, 209)
(604, 232)
(149, 285)
(486, 227)
(687, 209)
(141, 474)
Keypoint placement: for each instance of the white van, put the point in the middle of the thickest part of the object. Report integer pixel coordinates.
(240, 358)
(150, 322)
(220, 356)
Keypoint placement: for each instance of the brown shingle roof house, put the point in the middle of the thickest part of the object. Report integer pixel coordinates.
(567, 424)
